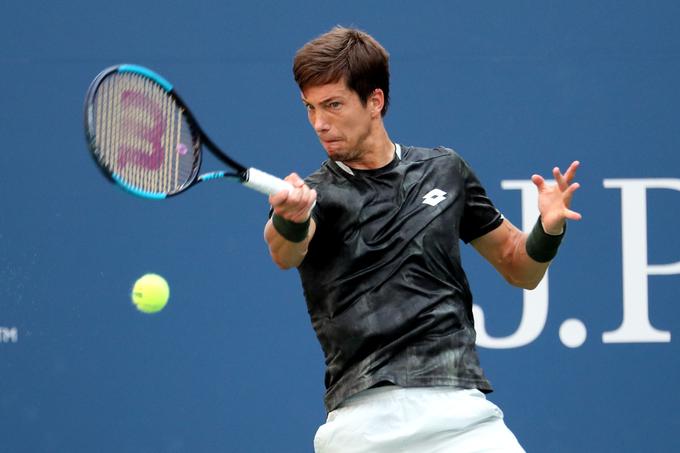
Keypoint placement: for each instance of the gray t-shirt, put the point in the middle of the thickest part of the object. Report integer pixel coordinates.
(383, 281)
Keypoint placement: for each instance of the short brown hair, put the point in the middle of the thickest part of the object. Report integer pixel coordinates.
(344, 54)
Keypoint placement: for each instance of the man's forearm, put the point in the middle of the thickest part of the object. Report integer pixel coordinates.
(285, 253)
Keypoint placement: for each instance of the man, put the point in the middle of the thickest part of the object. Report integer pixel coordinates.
(374, 234)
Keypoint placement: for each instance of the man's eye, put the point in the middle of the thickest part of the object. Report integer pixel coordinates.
(334, 105)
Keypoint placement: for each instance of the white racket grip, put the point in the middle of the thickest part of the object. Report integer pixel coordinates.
(264, 182)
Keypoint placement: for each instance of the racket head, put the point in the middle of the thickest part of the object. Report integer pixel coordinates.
(140, 132)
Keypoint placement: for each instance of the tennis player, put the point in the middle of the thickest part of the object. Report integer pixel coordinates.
(374, 234)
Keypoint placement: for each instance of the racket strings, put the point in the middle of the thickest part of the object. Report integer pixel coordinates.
(142, 135)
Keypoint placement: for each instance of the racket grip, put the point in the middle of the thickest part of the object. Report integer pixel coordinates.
(264, 182)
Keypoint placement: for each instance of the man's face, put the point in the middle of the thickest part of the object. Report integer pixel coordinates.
(340, 120)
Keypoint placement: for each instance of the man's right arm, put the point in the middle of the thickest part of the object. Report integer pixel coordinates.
(288, 238)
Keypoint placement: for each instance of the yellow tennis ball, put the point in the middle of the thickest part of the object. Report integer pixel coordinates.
(150, 293)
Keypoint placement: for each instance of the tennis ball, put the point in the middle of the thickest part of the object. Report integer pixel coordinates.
(150, 293)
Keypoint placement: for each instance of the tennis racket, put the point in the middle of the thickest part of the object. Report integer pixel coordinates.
(146, 140)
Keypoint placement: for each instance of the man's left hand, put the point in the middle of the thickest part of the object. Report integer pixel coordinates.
(554, 200)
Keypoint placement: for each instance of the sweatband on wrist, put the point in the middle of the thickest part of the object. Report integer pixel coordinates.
(541, 246)
(291, 231)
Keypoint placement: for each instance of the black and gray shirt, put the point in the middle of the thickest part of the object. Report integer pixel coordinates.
(385, 289)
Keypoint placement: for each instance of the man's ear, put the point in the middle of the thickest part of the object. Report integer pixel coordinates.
(376, 101)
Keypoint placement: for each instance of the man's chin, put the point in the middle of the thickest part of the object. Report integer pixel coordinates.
(335, 152)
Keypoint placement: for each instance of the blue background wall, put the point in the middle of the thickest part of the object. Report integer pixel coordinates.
(232, 363)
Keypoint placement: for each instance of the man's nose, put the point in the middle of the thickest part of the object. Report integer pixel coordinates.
(320, 123)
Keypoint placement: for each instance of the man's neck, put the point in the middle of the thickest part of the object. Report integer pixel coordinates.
(377, 153)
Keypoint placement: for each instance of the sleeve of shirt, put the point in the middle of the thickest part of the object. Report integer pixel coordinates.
(317, 214)
(480, 216)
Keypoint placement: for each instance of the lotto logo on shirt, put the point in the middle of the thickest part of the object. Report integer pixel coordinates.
(434, 197)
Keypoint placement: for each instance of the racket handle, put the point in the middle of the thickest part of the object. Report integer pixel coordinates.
(264, 182)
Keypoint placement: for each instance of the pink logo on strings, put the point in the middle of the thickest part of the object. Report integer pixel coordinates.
(153, 134)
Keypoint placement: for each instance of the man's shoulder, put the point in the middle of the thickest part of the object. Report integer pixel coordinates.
(323, 175)
(419, 153)
(439, 157)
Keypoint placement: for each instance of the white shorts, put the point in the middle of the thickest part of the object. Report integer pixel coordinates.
(394, 419)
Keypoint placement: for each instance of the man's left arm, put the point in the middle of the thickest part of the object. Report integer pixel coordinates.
(521, 258)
